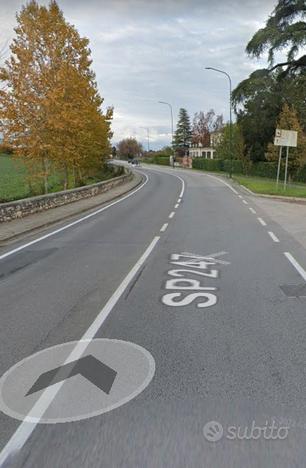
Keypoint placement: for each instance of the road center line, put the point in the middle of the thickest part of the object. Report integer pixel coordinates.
(171, 214)
(176, 206)
(240, 196)
(252, 210)
(245, 202)
(74, 223)
(25, 429)
(273, 236)
(296, 265)
(262, 222)
(164, 227)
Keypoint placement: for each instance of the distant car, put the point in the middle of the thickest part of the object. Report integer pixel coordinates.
(135, 162)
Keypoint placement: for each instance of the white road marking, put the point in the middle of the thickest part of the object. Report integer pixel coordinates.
(179, 200)
(273, 236)
(245, 202)
(164, 227)
(252, 210)
(74, 223)
(262, 222)
(222, 182)
(176, 206)
(240, 196)
(171, 214)
(25, 429)
(296, 265)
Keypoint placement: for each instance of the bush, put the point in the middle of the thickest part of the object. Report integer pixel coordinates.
(235, 165)
(213, 165)
(264, 169)
(162, 160)
(301, 174)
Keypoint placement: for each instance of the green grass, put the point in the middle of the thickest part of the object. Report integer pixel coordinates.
(15, 181)
(268, 186)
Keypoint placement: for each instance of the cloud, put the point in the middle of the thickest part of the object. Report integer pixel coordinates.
(145, 51)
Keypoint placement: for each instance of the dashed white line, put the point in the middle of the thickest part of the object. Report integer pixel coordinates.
(252, 210)
(262, 222)
(273, 236)
(176, 206)
(296, 265)
(179, 200)
(171, 214)
(240, 196)
(164, 227)
(245, 202)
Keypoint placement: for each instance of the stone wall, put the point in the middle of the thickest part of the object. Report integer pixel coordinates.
(27, 206)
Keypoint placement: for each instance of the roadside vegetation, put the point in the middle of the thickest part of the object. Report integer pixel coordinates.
(268, 187)
(53, 120)
(17, 182)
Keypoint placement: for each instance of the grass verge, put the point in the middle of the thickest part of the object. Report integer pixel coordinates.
(268, 187)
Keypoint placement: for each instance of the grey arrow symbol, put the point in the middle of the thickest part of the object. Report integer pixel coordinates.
(98, 373)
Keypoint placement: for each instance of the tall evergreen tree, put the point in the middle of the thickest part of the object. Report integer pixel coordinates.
(183, 134)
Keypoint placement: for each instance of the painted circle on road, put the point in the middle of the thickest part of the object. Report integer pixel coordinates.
(75, 381)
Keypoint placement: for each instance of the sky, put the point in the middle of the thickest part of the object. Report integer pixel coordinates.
(148, 51)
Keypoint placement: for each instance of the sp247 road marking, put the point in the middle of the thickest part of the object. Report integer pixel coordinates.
(186, 290)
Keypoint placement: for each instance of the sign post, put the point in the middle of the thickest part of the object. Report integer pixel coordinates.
(287, 138)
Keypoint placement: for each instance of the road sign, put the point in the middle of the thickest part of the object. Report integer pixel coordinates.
(286, 138)
(47, 388)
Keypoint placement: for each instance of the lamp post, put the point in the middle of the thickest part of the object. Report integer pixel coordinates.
(230, 101)
(171, 114)
(148, 136)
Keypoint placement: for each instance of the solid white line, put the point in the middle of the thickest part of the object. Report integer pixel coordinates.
(222, 182)
(262, 222)
(245, 202)
(273, 236)
(171, 214)
(74, 223)
(252, 210)
(25, 429)
(164, 227)
(296, 265)
(176, 206)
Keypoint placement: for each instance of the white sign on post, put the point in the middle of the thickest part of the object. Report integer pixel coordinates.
(286, 138)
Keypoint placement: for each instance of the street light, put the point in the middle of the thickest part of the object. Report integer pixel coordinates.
(148, 136)
(171, 113)
(230, 100)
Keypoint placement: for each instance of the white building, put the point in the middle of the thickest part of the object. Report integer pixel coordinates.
(197, 150)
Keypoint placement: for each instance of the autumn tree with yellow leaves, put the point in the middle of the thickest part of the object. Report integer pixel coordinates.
(50, 108)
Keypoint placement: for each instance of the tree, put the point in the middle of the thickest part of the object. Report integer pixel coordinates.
(288, 120)
(284, 30)
(183, 135)
(50, 107)
(204, 125)
(129, 148)
(222, 148)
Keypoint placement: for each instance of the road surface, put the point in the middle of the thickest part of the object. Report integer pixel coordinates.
(189, 271)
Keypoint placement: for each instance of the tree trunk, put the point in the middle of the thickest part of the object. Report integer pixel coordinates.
(45, 174)
(66, 174)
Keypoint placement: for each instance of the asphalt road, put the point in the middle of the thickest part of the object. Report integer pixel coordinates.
(234, 354)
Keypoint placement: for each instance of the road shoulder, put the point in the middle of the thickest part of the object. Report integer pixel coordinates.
(24, 227)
